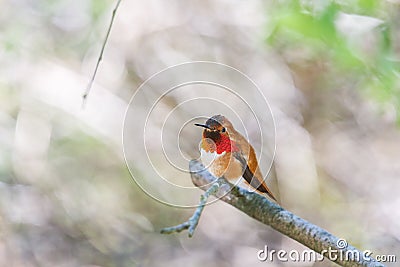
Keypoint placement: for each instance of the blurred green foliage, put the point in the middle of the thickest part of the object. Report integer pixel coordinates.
(368, 65)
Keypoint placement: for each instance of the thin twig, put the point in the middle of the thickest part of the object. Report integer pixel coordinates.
(89, 86)
(193, 221)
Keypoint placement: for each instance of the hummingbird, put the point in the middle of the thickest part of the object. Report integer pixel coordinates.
(226, 153)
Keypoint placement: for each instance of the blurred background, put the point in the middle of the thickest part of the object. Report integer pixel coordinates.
(330, 73)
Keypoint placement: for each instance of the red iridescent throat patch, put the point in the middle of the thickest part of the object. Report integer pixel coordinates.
(224, 144)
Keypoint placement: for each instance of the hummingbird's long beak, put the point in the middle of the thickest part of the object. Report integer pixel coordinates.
(202, 125)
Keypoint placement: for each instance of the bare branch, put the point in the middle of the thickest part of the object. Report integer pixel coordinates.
(192, 223)
(287, 223)
(89, 86)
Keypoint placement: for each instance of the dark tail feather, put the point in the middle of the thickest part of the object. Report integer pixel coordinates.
(258, 185)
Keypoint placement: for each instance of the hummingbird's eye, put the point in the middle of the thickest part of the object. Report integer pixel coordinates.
(223, 130)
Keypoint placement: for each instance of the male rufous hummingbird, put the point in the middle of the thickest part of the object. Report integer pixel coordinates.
(226, 153)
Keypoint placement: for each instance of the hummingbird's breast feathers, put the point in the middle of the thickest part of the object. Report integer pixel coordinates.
(223, 164)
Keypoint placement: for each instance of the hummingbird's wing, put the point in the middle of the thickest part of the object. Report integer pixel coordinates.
(253, 180)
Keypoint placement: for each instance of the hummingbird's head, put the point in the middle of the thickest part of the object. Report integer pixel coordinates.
(217, 129)
(216, 125)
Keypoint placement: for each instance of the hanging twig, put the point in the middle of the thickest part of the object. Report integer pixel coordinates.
(89, 86)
